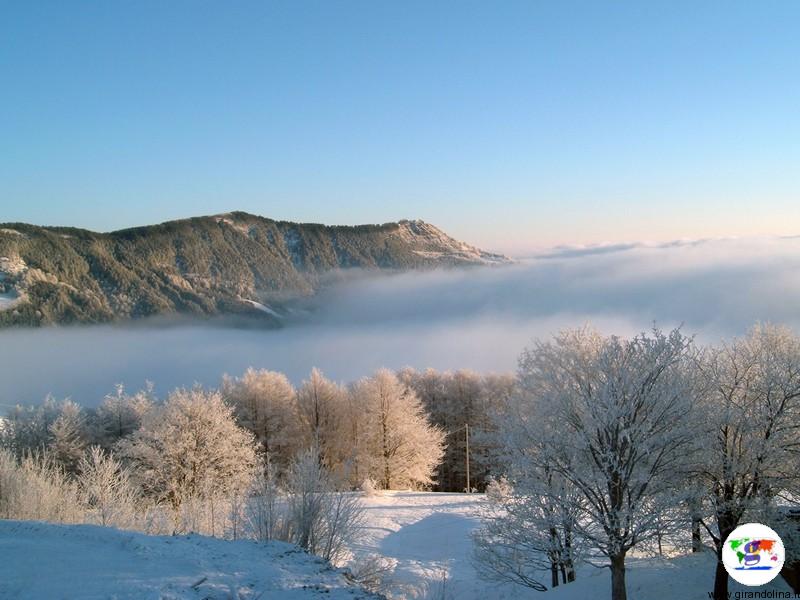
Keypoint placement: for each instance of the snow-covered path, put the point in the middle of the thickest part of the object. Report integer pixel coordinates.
(427, 537)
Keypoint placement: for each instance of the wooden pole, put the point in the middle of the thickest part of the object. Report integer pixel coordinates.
(469, 488)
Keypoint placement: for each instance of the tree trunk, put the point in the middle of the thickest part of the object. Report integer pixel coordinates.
(618, 590)
(697, 542)
(720, 580)
(570, 569)
(726, 524)
(553, 574)
(568, 562)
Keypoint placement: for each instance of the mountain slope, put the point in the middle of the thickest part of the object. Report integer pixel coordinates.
(234, 263)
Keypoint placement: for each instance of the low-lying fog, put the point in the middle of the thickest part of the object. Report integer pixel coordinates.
(477, 318)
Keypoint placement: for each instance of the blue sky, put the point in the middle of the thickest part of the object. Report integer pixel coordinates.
(512, 125)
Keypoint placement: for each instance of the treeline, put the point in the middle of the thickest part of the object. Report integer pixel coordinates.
(398, 430)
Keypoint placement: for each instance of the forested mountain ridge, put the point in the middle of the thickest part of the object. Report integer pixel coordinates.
(230, 264)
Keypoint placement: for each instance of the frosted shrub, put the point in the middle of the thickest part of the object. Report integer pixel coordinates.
(36, 488)
(369, 488)
(106, 490)
(322, 519)
(266, 510)
(375, 573)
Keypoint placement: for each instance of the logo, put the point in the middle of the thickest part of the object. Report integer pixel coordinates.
(753, 554)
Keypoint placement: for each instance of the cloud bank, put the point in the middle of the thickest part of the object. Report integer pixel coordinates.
(475, 318)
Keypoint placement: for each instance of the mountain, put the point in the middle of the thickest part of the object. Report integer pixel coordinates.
(230, 264)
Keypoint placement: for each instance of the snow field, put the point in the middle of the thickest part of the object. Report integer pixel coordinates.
(43, 561)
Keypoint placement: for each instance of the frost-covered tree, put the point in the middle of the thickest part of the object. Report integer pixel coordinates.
(120, 414)
(752, 413)
(27, 428)
(351, 451)
(528, 530)
(69, 436)
(190, 449)
(106, 489)
(614, 417)
(532, 511)
(320, 403)
(404, 449)
(455, 400)
(265, 404)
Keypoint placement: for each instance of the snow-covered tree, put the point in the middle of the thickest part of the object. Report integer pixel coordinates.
(404, 449)
(106, 489)
(526, 532)
(320, 403)
(121, 414)
(351, 449)
(453, 401)
(190, 449)
(752, 413)
(68, 436)
(27, 428)
(614, 419)
(265, 404)
(531, 511)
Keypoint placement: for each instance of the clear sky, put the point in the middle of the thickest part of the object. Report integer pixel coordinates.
(511, 125)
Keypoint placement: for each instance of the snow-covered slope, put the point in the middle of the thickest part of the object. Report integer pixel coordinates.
(689, 577)
(433, 243)
(426, 537)
(40, 561)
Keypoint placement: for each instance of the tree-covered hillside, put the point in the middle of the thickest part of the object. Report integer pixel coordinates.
(232, 264)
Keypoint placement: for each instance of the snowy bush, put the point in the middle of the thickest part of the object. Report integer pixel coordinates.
(191, 456)
(106, 490)
(372, 572)
(321, 517)
(368, 487)
(266, 510)
(37, 488)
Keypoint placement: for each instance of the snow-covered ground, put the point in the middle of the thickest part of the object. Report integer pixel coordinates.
(689, 577)
(427, 537)
(40, 561)
(8, 300)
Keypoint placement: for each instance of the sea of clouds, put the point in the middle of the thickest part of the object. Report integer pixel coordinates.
(478, 318)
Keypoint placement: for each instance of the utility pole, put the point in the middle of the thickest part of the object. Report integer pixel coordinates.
(466, 429)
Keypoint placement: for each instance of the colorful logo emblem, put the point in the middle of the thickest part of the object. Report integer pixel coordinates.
(753, 554)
